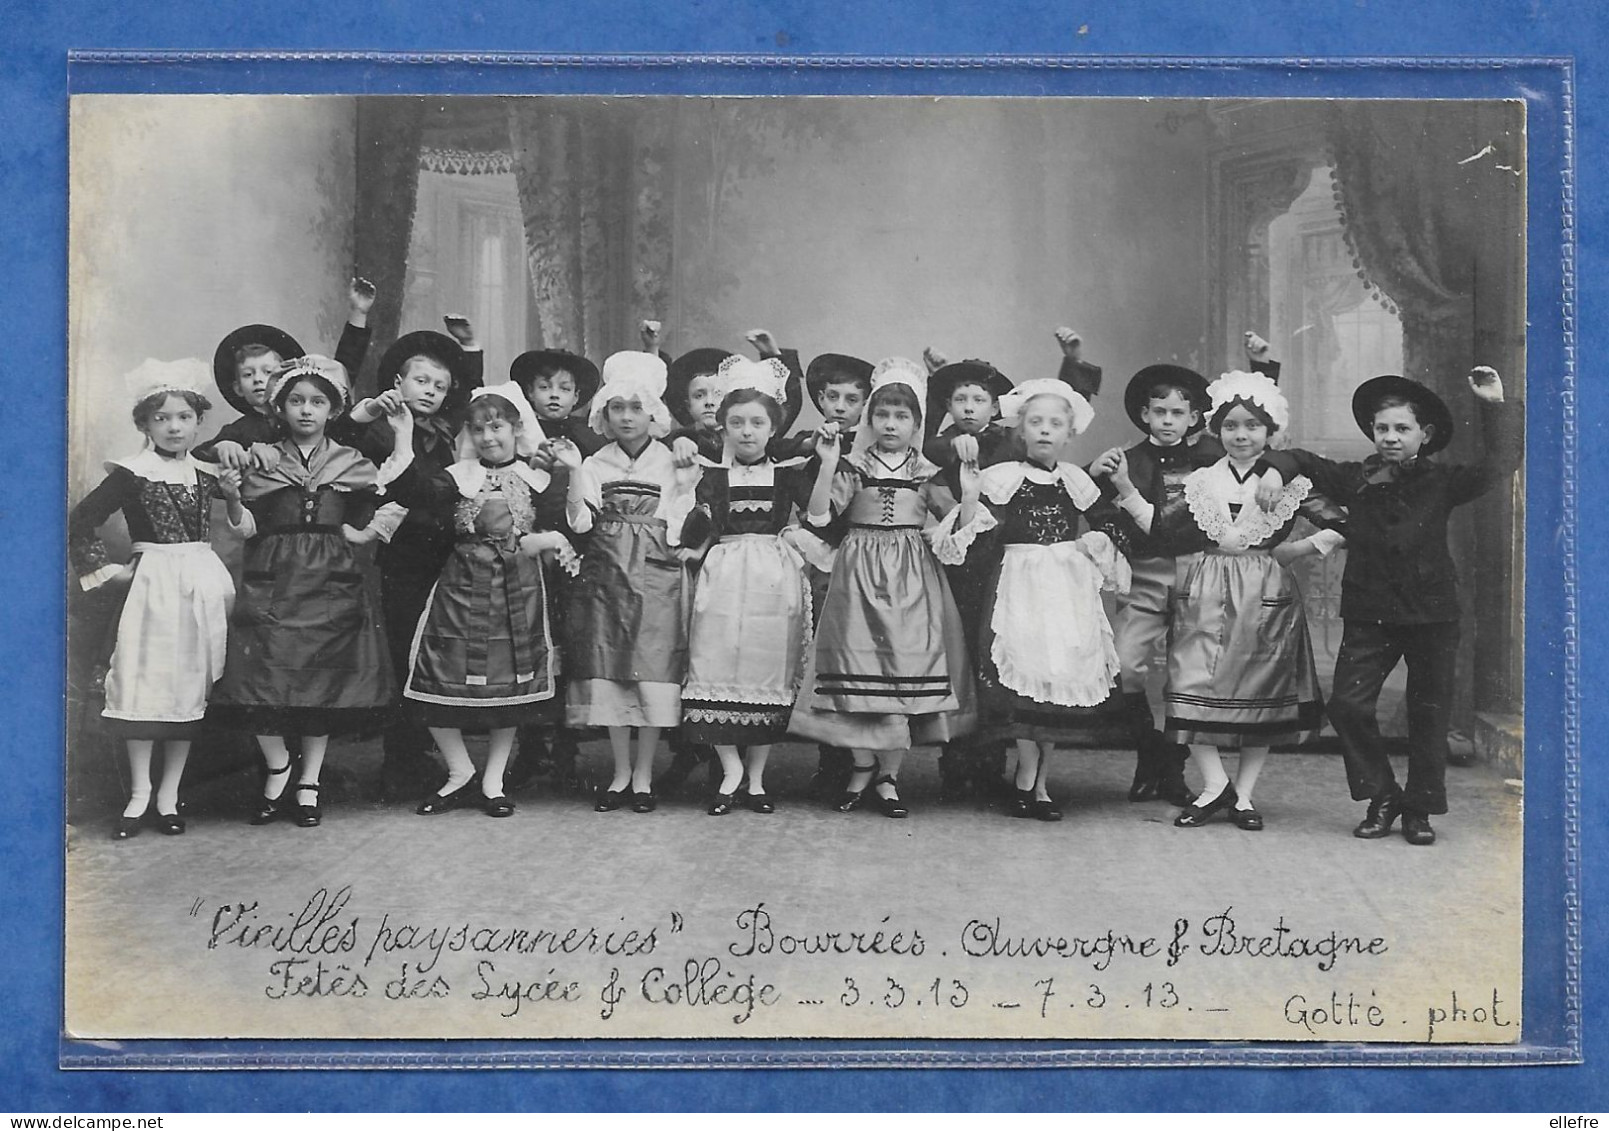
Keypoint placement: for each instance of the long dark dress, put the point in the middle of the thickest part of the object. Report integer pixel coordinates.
(307, 649)
(484, 654)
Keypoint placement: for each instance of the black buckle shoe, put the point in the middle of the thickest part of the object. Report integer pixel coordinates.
(723, 804)
(1383, 813)
(1248, 819)
(308, 816)
(499, 806)
(439, 802)
(1194, 816)
(609, 800)
(891, 806)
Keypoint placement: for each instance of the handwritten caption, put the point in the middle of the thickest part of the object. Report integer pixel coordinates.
(325, 947)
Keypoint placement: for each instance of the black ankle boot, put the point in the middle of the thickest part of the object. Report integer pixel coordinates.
(1383, 813)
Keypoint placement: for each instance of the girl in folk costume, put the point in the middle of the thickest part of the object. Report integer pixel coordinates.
(307, 654)
(1240, 665)
(484, 654)
(627, 612)
(1046, 659)
(750, 626)
(172, 631)
(889, 667)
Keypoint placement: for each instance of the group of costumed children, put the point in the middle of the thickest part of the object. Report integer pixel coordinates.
(645, 549)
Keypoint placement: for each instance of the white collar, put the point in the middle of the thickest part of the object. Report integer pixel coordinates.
(1002, 481)
(470, 476)
(151, 465)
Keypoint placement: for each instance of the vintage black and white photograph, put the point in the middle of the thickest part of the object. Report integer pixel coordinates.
(847, 567)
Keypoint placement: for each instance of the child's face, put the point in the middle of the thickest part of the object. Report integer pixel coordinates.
(627, 420)
(554, 396)
(749, 428)
(1170, 418)
(1398, 435)
(972, 407)
(252, 376)
(842, 403)
(496, 440)
(172, 427)
(702, 401)
(1243, 433)
(894, 426)
(424, 383)
(1046, 426)
(306, 410)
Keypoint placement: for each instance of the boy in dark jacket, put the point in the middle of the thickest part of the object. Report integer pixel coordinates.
(1399, 591)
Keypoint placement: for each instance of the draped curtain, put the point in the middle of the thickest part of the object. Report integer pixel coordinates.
(591, 176)
(1409, 211)
(388, 140)
(1432, 201)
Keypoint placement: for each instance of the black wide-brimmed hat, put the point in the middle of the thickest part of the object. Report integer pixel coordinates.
(947, 378)
(829, 367)
(679, 375)
(525, 367)
(420, 343)
(257, 334)
(1431, 410)
(1138, 393)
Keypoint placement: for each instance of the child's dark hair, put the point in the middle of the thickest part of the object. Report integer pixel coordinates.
(895, 393)
(250, 350)
(1217, 421)
(549, 370)
(1161, 389)
(147, 406)
(1397, 400)
(969, 383)
(849, 377)
(319, 382)
(490, 406)
(751, 396)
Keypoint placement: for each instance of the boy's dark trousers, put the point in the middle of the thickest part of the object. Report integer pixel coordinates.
(967, 765)
(1368, 653)
(406, 767)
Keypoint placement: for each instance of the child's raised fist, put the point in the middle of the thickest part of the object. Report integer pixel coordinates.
(229, 483)
(1070, 341)
(360, 295)
(463, 333)
(933, 360)
(1486, 384)
(1257, 347)
(763, 343)
(649, 330)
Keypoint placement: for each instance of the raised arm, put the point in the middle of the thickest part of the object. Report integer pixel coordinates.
(1502, 437)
